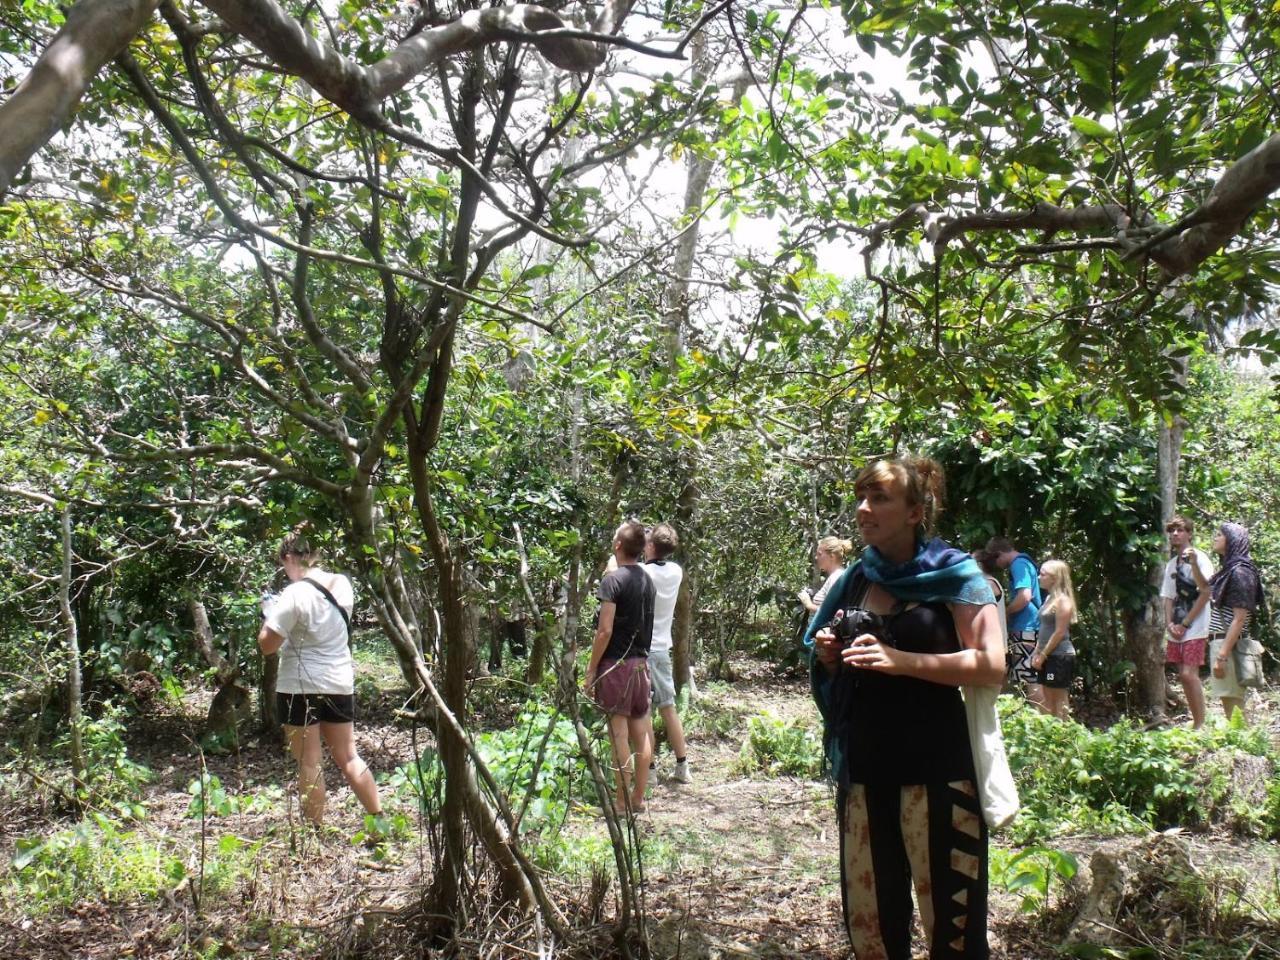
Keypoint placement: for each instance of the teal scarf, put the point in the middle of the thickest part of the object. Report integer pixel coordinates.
(938, 573)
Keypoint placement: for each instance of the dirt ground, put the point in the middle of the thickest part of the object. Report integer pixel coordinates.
(740, 866)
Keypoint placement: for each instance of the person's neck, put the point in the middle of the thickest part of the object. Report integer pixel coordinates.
(625, 561)
(898, 553)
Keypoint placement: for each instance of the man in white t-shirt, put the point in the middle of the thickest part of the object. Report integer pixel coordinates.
(660, 544)
(1186, 616)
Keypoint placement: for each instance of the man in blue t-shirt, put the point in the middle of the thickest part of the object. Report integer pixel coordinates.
(1023, 611)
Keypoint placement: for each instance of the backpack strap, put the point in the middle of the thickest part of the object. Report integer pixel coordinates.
(329, 596)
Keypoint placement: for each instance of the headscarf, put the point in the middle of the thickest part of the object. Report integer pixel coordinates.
(1238, 570)
(938, 573)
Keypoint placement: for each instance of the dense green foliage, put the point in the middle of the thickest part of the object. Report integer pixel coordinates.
(460, 343)
(1123, 778)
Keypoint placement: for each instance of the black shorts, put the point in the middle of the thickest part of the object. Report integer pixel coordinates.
(1058, 671)
(304, 709)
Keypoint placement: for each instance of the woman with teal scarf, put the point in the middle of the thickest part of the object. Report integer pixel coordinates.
(895, 727)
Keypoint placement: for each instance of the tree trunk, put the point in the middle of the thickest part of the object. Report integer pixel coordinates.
(676, 323)
(1144, 630)
(267, 712)
(73, 657)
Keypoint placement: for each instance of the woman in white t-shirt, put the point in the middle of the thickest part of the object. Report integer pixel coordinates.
(831, 555)
(308, 624)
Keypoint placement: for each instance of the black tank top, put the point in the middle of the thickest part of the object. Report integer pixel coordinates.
(903, 730)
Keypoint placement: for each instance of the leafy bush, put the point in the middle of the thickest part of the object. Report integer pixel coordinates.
(778, 747)
(1031, 873)
(1122, 779)
(93, 860)
(210, 798)
(97, 860)
(536, 757)
(111, 778)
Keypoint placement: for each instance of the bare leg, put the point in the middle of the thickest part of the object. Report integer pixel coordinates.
(1035, 695)
(640, 731)
(304, 744)
(675, 731)
(341, 740)
(1055, 702)
(618, 730)
(1193, 690)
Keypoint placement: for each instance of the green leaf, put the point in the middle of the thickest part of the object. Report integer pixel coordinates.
(1090, 127)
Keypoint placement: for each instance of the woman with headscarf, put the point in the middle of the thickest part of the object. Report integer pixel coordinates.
(1234, 592)
(923, 623)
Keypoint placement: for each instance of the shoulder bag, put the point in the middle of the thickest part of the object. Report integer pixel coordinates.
(1247, 658)
(346, 621)
(997, 793)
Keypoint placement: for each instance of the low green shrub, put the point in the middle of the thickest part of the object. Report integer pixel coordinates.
(708, 715)
(95, 860)
(210, 799)
(778, 748)
(536, 761)
(100, 860)
(1032, 874)
(112, 780)
(1122, 779)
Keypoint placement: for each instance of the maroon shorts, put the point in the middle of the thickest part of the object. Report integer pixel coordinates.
(1186, 651)
(622, 687)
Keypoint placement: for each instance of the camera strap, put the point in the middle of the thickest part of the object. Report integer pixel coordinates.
(346, 621)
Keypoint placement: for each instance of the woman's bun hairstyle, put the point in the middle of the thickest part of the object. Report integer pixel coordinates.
(840, 549)
(297, 544)
(920, 478)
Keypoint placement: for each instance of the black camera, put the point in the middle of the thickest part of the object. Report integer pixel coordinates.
(852, 622)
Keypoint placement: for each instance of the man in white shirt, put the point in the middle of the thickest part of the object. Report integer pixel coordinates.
(1186, 617)
(666, 575)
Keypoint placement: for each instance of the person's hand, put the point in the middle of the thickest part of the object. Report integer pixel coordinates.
(826, 648)
(1177, 631)
(1037, 660)
(802, 594)
(868, 653)
(1188, 554)
(589, 679)
(1220, 667)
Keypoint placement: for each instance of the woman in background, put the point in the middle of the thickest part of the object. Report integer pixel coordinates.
(308, 624)
(830, 557)
(1235, 592)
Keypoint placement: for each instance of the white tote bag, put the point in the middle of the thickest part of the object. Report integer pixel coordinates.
(997, 793)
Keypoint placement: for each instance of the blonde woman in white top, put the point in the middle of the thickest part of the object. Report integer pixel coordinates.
(830, 557)
(308, 625)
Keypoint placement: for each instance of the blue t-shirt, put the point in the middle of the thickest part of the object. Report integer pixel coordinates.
(1023, 576)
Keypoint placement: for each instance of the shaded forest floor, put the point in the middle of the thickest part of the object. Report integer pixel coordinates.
(735, 865)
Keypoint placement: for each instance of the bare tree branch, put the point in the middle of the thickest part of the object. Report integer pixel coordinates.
(1177, 249)
(94, 33)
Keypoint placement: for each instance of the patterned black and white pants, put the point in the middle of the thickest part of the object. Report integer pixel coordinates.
(932, 836)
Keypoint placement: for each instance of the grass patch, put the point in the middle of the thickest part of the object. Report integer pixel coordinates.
(101, 860)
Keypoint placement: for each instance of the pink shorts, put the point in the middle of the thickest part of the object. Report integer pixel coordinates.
(622, 687)
(1186, 651)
